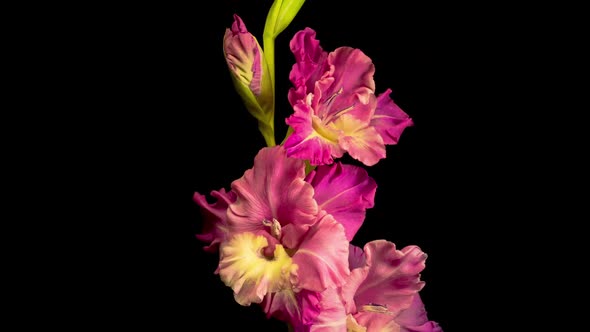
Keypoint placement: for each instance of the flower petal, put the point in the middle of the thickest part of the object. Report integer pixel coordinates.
(353, 326)
(319, 145)
(349, 289)
(273, 188)
(251, 275)
(322, 257)
(356, 257)
(310, 64)
(214, 218)
(284, 305)
(377, 322)
(298, 309)
(389, 119)
(329, 316)
(362, 142)
(345, 192)
(415, 318)
(313, 311)
(352, 88)
(392, 276)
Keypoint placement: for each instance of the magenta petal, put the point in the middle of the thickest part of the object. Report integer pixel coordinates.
(309, 66)
(284, 305)
(273, 188)
(327, 314)
(307, 310)
(214, 218)
(345, 192)
(389, 119)
(393, 276)
(322, 257)
(309, 303)
(304, 144)
(415, 318)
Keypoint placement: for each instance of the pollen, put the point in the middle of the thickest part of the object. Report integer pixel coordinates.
(377, 308)
(275, 227)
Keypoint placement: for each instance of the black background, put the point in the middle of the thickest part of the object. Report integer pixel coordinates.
(163, 121)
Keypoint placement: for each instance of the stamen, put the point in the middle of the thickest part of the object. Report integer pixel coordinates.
(337, 114)
(331, 98)
(275, 227)
(377, 308)
(328, 102)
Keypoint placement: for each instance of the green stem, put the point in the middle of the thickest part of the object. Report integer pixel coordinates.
(269, 55)
(267, 131)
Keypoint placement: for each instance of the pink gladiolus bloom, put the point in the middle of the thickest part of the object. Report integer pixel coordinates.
(335, 107)
(290, 241)
(382, 294)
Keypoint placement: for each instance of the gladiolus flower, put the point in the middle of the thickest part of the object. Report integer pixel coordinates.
(335, 107)
(283, 234)
(381, 294)
(274, 201)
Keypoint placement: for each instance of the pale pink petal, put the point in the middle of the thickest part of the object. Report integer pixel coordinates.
(355, 279)
(415, 318)
(352, 90)
(309, 66)
(385, 321)
(345, 192)
(362, 142)
(389, 119)
(393, 276)
(273, 188)
(322, 257)
(214, 218)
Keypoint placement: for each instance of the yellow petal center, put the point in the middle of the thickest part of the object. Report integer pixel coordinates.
(251, 274)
